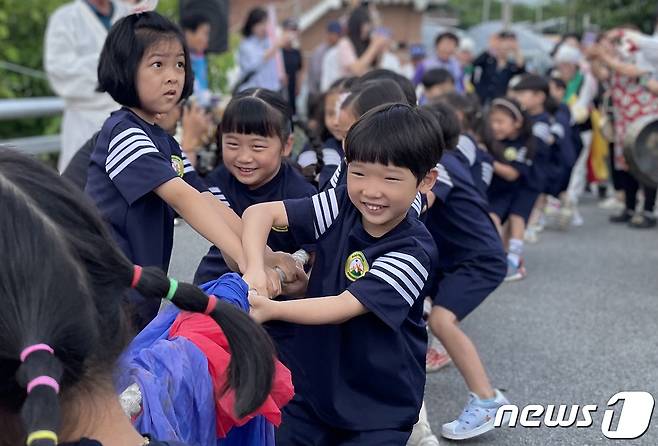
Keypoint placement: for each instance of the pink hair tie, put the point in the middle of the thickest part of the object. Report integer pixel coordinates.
(137, 274)
(43, 381)
(35, 348)
(212, 303)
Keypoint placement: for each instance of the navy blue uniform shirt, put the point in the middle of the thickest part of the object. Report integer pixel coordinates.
(131, 159)
(369, 372)
(543, 163)
(480, 163)
(288, 183)
(459, 220)
(514, 154)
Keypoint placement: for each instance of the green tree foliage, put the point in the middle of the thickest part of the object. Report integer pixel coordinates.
(22, 27)
(605, 14)
(613, 13)
(470, 12)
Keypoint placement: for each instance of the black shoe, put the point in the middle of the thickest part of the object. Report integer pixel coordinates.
(645, 222)
(624, 217)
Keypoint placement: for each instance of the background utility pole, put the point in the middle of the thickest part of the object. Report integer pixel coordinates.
(507, 13)
(486, 10)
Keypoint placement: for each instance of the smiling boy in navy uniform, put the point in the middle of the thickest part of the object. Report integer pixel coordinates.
(363, 340)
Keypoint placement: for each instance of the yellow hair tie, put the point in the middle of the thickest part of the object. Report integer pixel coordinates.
(41, 435)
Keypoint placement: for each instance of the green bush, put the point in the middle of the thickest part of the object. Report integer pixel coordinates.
(22, 27)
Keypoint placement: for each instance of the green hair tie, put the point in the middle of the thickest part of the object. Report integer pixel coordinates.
(173, 286)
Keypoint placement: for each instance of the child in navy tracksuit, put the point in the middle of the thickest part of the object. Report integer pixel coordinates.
(470, 141)
(552, 157)
(256, 137)
(513, 191)
(471, 266)
(138, 176)
(362, 339)
(321, 162)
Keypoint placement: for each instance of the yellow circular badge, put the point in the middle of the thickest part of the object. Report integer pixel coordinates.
(178, 165)
(510, 153)
(356, 266)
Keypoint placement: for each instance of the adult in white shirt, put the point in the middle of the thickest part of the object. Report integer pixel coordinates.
(74, 40)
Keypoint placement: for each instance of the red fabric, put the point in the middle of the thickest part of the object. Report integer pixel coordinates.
(204, 332)
(631, 101)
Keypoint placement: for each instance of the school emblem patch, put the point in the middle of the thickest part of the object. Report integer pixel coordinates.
(178, 165)
(356, 266)
(510, 153)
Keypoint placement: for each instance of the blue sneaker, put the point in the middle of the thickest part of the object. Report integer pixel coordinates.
(515, 273)
(476, 419)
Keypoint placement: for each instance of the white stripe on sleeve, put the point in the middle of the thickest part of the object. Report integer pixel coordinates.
(403, 272)
(217, 192)
(330, 157)
(396, 286)
(325, 205)
(336, 175)
(467, 148)
(334, 203)
(307, 158)
(444, 176)
(128, 143)
(417, 204)
(487, 173)
(319, 217)
(558, 130)
(129, 160)
(411, 260)
(419, 283)
(120, 136)
(187, 165)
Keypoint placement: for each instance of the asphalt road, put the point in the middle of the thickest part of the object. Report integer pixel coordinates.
(582, 327)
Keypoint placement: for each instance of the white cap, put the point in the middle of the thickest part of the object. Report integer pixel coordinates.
(568, 54)
(467, 44)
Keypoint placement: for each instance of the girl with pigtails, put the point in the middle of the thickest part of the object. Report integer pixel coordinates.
(63, 324)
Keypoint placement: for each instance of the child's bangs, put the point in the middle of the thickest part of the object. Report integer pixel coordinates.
(250, 116)
(399, 135)
(148, 38)
(384, 141)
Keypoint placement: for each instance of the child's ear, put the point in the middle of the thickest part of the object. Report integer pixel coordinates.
(427, 183)
(287, 148)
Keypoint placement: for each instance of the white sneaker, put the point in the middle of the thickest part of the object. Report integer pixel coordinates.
(565, 218)
(577, 219)
(429, 441)
(530, 235)
(611, 204)
(476, 418)
(422, 435)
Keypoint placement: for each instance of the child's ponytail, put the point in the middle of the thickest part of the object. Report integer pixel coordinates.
(251, 369)
(47, 329)
(40, 374)
(110, 274)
